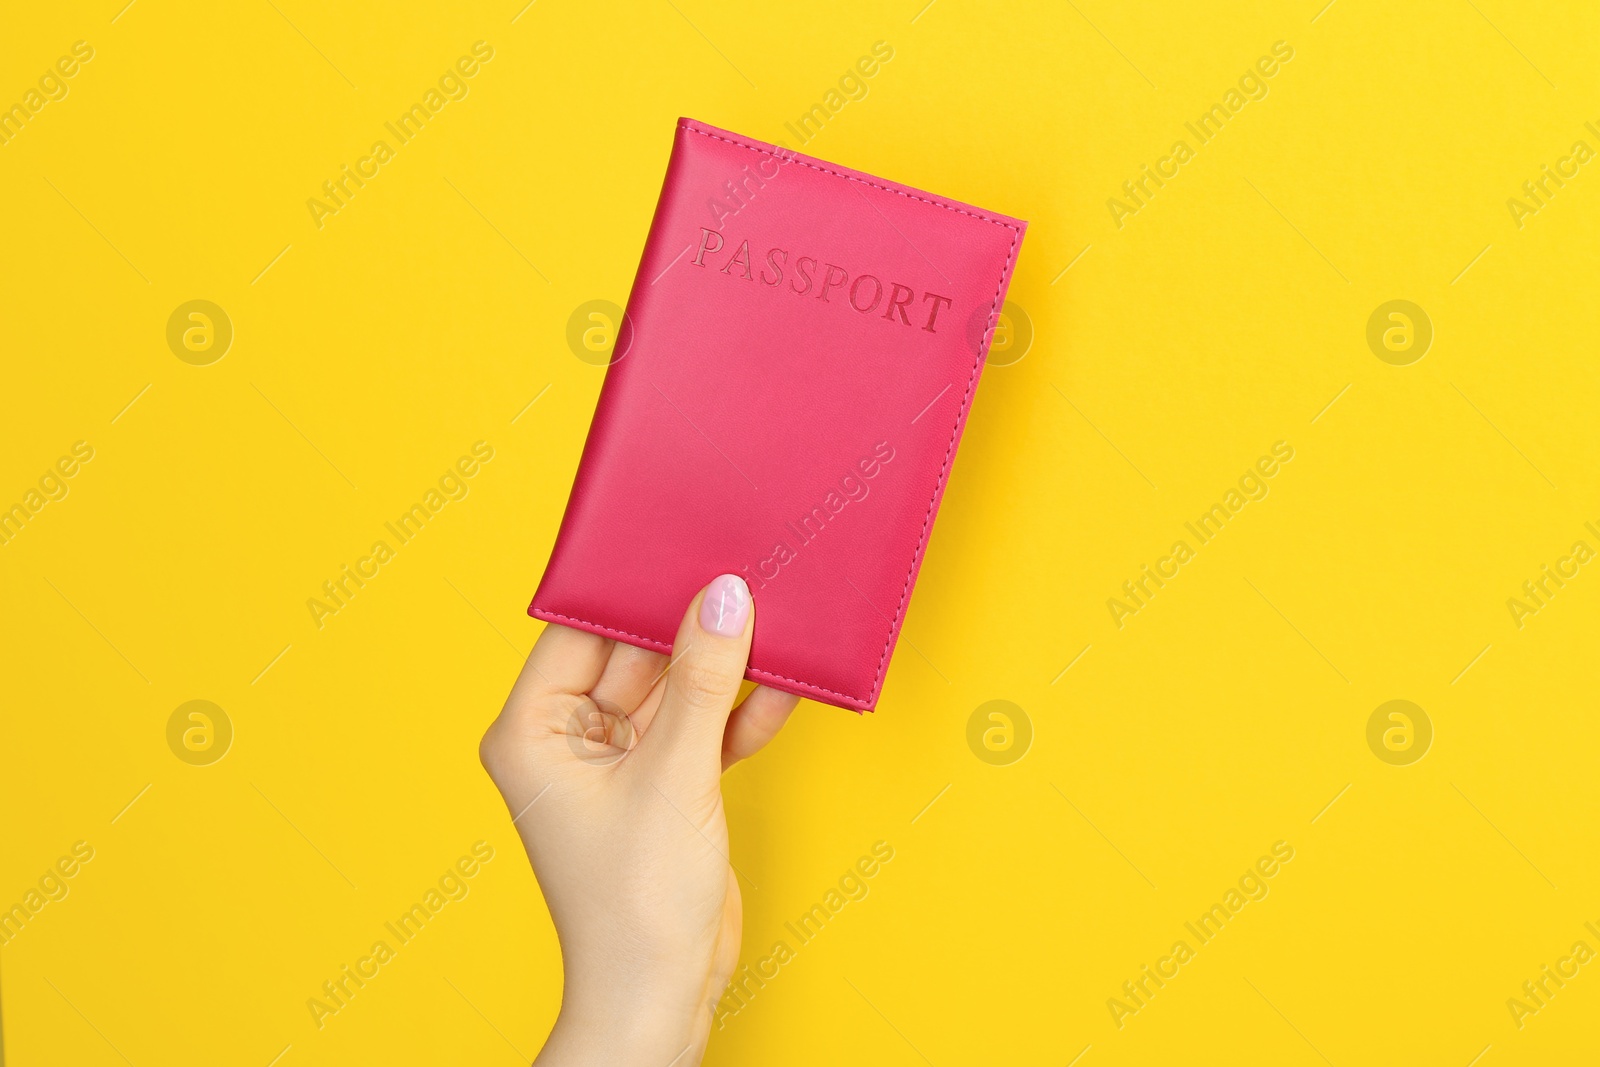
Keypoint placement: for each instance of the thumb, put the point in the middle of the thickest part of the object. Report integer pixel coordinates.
(708, 662)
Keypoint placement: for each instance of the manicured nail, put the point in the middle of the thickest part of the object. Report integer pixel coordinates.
(726, 607)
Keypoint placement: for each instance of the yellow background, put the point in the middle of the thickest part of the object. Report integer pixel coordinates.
(426, 315)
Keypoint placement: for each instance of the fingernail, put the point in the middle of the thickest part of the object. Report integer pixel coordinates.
(726, 607)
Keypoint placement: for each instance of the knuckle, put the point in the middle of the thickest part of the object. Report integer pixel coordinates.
(705, 682)
(511, 740)
(491, 749)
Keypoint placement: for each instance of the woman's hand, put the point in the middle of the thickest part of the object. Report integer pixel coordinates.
(610, 761)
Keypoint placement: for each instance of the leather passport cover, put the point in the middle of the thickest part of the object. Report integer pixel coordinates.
(797, 359)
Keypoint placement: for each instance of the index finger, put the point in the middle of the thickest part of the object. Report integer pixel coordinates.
(563, 660)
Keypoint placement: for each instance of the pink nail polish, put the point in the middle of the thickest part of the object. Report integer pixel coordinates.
(726, 607)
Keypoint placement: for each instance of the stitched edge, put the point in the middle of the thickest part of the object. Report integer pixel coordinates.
(949, 452)
(795, 157)
(661, 646)
(949, 457)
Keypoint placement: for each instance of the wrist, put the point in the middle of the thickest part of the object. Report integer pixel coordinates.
(622, 1032)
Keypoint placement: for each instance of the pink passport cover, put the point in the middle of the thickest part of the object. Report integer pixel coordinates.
(806, 341)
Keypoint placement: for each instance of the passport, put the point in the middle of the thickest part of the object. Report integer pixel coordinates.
(799, 352)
